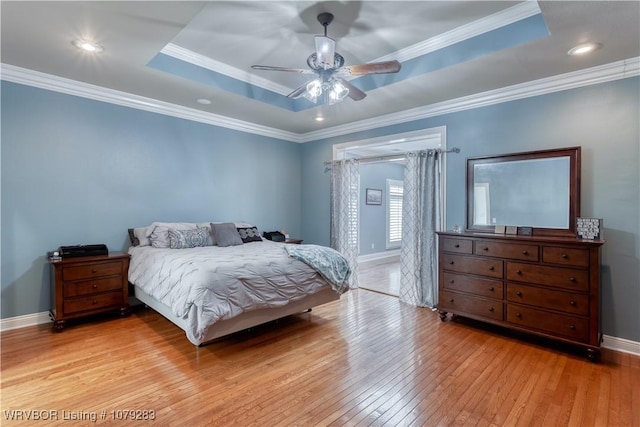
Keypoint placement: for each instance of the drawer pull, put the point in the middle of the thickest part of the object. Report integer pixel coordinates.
(518, 272)
(565, 256)
(491, 289)
(95, 286)
(485, 248)
(94, 271)
(519, 293)
(518, 315)
(452, 281)
(572, 303)
(94, 302)
(490, 308)
(572, 279)
(572, 327)
(492, 268)
(525, 253)
(451, 300)
(456, 245)
(451, 262)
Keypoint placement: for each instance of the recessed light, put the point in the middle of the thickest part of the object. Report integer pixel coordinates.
(203, 101)
(583, 49)
(87, 46)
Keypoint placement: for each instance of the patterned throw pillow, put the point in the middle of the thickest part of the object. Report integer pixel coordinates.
(249, 234)
(182, 239)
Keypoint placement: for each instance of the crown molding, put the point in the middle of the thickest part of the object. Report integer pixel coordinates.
(484, 25)
(71, 87)
(601, 74)
(590, 76)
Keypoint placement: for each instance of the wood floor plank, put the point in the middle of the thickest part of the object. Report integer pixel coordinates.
(367, 359)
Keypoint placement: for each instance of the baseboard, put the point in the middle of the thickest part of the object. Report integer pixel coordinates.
(378, 256)
(23, 321)
(621, 344)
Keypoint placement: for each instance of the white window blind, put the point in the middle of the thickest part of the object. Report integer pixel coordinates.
(395, 189)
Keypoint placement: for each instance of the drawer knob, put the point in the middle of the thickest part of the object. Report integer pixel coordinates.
(485, 248)
(491, 289)
(94, 302)
(457, 245)
(492, 268)
(518, 272)
(490, 308)
(94, 286)
(518, 315)
(572, 303)
(565, 256)
(525, 253)
(572, 279)
(451, 300)
(519, 293)
(451, 262)
(572, 327)
(452, 281)
(94, 271)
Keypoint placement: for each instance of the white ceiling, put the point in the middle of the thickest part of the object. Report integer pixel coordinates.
(226, 38)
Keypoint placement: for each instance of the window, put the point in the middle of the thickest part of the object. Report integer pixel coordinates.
(395, 190)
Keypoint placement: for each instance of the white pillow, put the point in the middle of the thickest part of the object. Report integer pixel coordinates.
(141, 234)
(158, 232)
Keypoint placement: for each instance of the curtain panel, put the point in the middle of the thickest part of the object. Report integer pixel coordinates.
(345, 183)
(420, 221)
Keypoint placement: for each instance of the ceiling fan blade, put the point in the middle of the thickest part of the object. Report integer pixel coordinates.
(354, 93)
(325, 51)
(297, 93)
(291, 70)
(372, 68)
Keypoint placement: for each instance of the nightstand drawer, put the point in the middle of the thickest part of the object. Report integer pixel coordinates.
(94, 302)
(87, 271)
(88, 287)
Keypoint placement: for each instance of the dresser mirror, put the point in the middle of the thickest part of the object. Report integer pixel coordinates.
(537, 189)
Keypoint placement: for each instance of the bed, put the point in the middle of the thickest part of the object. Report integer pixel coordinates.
(210, 288)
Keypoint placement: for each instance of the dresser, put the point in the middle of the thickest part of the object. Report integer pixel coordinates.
(547, 286)
(88, 285)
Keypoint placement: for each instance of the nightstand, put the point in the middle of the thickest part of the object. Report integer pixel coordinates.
(88, 285)
(293, 241)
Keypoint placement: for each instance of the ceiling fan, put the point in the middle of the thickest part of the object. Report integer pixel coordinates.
(328, 66)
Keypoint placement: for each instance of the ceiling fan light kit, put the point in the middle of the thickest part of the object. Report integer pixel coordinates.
(328, 65)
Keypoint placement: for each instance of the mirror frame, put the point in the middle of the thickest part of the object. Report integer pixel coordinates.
(574, 187)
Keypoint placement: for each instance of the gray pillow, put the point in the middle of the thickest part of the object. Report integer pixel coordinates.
(225, 234)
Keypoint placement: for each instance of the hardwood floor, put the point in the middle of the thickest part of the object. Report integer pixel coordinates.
(364, 360)
(380, 276)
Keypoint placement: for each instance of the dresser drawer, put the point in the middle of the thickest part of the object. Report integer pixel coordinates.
(568, 302)
(470, 305)
(87, 271)
(565, 256)
(473, 265)
(88, 287)
(567, 278)
(474, 285)
(572, 327)
(462, 246)
(507, 250)
(94, 302)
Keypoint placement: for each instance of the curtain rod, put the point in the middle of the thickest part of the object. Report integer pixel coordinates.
(394, 156)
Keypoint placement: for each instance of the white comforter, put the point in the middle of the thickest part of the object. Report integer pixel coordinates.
(206, 284)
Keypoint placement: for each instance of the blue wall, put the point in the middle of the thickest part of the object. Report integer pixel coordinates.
(603, 119)
(373, 218)
(81, 171)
